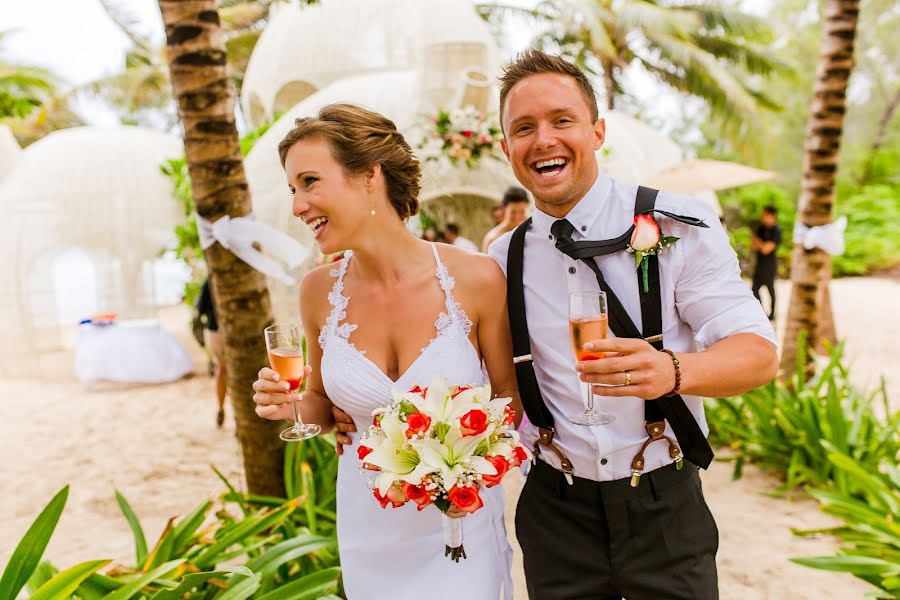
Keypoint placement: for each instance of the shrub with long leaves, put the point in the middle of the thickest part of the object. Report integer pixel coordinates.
(788, 427)
(871, 532)
(276, 549)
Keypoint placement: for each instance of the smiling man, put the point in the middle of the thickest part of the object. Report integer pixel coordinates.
(615, 510)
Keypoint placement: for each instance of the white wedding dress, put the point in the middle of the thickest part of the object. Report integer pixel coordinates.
(399, 552)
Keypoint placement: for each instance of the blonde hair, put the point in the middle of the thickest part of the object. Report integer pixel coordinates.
(360, 139)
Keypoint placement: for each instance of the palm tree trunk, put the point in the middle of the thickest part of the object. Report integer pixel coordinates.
(811, 269)
(196, 55)
(609, 83)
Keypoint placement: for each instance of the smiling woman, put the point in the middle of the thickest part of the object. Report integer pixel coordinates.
(336, 156)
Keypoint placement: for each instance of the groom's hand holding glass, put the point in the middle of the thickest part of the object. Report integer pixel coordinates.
(631, 368)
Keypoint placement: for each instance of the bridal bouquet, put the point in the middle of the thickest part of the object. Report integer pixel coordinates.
(439, 445)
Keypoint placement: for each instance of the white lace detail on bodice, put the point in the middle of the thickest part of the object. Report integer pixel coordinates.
(338, 301)
(455, 312)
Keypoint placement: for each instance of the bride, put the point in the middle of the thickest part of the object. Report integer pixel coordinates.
(393, 313)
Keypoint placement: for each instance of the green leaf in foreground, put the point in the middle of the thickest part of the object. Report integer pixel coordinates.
(66, 582)
(27, 554)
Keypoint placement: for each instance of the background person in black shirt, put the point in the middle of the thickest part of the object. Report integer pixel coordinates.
(765, 242)
(212, 339)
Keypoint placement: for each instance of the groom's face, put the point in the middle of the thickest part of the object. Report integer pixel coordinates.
(550, 140)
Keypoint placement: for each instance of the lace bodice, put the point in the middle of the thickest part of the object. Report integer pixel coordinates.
(357, 385)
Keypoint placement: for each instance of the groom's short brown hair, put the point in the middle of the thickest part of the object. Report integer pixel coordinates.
(534, 62)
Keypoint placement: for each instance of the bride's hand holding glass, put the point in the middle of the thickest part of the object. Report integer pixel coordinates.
(272, 395)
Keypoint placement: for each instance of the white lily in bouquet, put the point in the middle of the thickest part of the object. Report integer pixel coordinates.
(439, 445)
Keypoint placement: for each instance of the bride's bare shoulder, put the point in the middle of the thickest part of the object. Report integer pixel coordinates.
(315, 286)
(473, 271)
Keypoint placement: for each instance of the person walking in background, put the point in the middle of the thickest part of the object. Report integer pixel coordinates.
(215, 346)
(515, 210)
(765, 242)
(497, 215)
(451, 234)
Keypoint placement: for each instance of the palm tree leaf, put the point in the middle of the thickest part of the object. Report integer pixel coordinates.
(731, 21)
(704, 75)
(652, 19)
(751, 57)
(126, 22)
(242, 15)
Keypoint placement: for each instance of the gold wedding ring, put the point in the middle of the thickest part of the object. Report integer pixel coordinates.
(627, 377)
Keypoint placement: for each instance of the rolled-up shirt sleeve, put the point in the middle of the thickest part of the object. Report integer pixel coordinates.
(710, 295)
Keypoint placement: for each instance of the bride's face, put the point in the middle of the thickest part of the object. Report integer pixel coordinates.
(331, 204)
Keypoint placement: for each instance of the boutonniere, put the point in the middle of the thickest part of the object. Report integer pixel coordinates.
(647, 240)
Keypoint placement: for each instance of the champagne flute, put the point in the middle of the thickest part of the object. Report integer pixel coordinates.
(286, 358)
(588, 321)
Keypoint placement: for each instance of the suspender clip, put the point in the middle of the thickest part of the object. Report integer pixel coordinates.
(522, 359)
(545, 438)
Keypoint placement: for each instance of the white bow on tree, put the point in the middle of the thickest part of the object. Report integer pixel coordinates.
(238, 236)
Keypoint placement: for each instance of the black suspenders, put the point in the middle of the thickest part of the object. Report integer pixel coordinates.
(690, 437)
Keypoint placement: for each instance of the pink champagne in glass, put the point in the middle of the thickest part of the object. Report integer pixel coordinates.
(288, 363)
(286, 359)
(588, 321)
(583, 330)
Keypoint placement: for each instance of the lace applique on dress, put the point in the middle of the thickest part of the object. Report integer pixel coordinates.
(339, 302)
(454, 312)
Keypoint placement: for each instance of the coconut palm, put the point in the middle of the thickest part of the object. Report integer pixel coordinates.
(141, 91)
(710, 51)
(22, 88)
(811, 269)
(206, 99)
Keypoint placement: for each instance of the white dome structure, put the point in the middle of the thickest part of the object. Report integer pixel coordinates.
(633, 151)
(94, 191)
(304, 49)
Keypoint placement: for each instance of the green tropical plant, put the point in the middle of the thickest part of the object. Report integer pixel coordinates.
(287, 547)
(870, 533)
(791, 427)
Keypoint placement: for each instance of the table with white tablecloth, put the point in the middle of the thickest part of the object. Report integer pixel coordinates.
(132, 351)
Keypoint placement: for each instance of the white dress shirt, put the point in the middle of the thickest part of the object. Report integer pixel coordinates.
(704, 300)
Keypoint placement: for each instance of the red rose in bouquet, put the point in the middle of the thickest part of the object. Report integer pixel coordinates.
(395, 495)
(418, 494)
(502, 466)
(473, 422)
(417, 423)
(465, 498)
(363, 451)
(519, 456)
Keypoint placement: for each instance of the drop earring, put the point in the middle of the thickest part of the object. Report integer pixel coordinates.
(372, 212)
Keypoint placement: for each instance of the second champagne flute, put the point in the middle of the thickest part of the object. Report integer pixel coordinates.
(286, 359)
(588, 321)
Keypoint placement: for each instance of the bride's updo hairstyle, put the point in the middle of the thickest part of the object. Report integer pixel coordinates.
(359, 139)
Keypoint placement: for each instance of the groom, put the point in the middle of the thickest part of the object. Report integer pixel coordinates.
(615, 510)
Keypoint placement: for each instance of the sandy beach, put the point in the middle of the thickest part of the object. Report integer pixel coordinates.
(155, 445)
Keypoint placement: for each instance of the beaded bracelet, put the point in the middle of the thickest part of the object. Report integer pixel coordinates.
(677, 372)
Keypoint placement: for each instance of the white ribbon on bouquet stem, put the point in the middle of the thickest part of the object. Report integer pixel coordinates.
(238, 235)
(453, 531)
